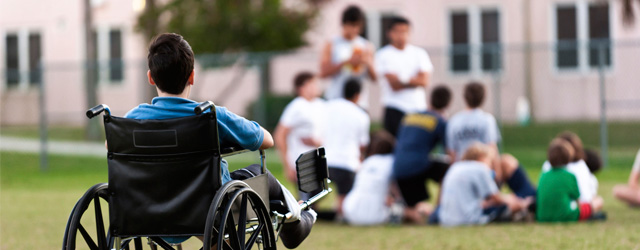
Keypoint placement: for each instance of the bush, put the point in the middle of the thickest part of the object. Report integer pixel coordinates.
(275, 105)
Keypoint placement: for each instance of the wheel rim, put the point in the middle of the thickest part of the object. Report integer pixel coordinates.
(97, 239)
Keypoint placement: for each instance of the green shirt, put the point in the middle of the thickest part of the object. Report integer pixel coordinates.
(557, 196)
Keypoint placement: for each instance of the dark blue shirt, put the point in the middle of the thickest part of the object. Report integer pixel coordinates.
(232, 129)
(417, 136)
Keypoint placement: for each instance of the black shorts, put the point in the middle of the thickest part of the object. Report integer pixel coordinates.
(342, 178)
(414, 188)
(392, 120)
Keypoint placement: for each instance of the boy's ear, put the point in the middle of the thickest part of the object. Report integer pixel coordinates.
(190, 81)
(150, 78)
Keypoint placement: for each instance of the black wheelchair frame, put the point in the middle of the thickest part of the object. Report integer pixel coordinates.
(148, 197)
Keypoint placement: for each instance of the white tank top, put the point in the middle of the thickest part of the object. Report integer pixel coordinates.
(341, 50)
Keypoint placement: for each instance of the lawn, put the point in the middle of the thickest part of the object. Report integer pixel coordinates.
(35, 206)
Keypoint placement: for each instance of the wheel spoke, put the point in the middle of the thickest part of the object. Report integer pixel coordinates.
(102, 241)
(225, 244)
(233, 233)
(242, 221)
(87, 238)
(254, 237)
(137, 242)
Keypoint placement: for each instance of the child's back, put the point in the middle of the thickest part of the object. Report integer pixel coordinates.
(557, 195)
(365, 203)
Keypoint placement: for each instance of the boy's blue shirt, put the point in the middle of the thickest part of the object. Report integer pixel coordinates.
(417, 137)
(232, 129)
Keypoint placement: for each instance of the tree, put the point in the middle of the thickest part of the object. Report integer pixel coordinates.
(217, 26)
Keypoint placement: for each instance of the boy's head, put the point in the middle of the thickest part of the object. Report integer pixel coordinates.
(479, 152)
(560, 153)
(352, 89)
(398, 31)
(593, 160)
(381, 143)
(305, 85)
(440, 98)
(170, 63)
(352, 21)
(575, 141)
(474, 94)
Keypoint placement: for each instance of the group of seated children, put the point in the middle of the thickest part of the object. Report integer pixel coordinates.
(471, 177)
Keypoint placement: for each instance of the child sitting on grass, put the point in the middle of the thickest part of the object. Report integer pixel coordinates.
(470, 194)
(558, 193)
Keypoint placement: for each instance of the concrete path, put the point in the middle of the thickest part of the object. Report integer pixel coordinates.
(25, 145)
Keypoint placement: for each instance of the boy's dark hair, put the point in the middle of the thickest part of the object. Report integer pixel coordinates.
(440, 97)
(396, 20)
(593, 160)
(352, 15)
(575, 141)
(381, 143)
(351, 88)
(170, 62)
(300, 79)
(560, 153)
(474, 94)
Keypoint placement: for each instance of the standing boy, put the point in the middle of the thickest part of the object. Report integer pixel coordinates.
(405, 70)
(301, 125)
(347, 135)
(348, 56)
(419, 134)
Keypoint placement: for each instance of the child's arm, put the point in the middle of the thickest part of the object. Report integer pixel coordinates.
(634, 178)
(267, 140)
(281, 134)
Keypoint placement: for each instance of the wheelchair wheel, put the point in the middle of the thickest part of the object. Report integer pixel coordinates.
(100, 239)
(226, 231)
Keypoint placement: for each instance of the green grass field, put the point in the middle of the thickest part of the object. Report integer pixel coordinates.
(35, 206)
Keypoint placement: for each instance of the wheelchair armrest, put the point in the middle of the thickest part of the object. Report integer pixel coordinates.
(231, 149)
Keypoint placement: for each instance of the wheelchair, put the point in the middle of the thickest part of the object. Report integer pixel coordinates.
(164, 180)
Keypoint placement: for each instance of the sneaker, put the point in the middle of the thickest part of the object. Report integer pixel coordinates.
(293, 233)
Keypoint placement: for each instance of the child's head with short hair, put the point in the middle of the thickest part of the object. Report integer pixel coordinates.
(381, 143)
(440, 97)
(398, 31)
(352, 21)
(474, 93)
(479, 152)
(305, 85)
(574, 140)
(352, 89)
(170, 63)
(560, 153)
(593, 160)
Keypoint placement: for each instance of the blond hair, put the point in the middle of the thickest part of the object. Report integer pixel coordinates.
(476, 152)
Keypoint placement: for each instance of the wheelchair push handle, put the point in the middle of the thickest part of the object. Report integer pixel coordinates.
(93, 112)
(202, 107)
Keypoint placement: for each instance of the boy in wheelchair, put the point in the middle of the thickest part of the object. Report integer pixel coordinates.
(171, 71)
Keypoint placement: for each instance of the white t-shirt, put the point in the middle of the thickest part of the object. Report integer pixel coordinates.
(346, 130)
(365, 203)
(469, 126)
(342, 50)
(406, 64)
(306, 120)
(587, 183)
(636, 163)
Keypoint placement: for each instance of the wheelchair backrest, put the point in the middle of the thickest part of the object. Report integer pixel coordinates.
(163, 174)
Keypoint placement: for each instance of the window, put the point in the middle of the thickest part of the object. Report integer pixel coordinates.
(35, 54)
(473, 28)
(599, 34)
(109, 55)
(115, 56)
(567, 35)
(578, 42)
(491, 50)
(385, 23)
(12, 54)
(460, 46)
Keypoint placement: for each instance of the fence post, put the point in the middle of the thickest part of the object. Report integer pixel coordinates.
(495, 59)
(44, 163)
(603, 105)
